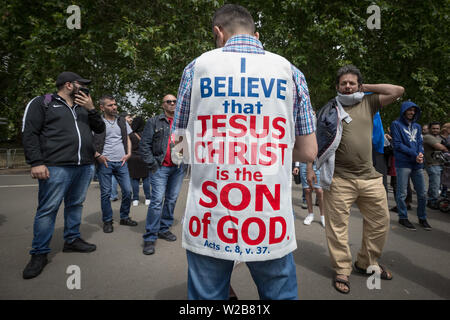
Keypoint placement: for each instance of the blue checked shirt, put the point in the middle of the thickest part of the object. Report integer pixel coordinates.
(303, 112)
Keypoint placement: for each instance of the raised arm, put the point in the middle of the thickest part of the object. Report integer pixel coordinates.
(388, 93)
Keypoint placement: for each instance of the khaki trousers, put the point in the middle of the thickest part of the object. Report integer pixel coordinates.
(370, 196)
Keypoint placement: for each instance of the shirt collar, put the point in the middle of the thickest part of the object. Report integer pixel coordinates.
(244, 43)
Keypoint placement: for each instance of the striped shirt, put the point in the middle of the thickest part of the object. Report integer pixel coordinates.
(303, 112)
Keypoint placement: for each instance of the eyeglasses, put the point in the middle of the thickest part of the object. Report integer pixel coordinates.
(170, 101)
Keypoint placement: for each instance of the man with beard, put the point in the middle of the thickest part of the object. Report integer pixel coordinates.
(348, 175)
(113, 149)
(408, 152)
(57, 138)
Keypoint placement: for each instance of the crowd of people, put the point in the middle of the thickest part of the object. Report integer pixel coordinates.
(230, 101)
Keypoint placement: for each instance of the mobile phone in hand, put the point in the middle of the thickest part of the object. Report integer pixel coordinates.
(85, 90)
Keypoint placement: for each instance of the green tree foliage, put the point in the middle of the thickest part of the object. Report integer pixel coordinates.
(141, 48)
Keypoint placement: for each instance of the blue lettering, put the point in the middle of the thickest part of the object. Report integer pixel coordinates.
(252, 86)
(242, 87)
(219, 82)
(267, 91)
(281, 88)
(205, 83)
(230, 88)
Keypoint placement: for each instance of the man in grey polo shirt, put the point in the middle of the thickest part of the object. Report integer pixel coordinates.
(113, 149)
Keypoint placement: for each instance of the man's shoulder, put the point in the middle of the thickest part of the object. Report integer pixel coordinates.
(430, 139)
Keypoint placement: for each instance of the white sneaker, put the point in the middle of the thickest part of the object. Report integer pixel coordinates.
(322, 219)
(135, 203)
(309, 218)
(147, 202)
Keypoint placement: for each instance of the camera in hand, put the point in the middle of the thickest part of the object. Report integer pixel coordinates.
(85, 90)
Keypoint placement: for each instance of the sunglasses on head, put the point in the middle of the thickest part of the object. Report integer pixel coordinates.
(170, 101)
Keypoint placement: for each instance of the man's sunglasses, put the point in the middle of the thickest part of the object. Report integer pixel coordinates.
(170, 101)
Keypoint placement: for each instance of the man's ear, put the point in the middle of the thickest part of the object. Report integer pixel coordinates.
(257, 35)
(219, 36)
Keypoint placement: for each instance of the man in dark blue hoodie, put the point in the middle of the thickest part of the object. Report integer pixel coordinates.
(408, 152)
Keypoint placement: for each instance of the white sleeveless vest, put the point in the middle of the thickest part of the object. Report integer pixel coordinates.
(240, 135)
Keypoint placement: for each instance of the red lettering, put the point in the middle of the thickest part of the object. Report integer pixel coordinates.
(206, 221)
(232, 231)
(191, 226)
(204, 126)
(268, 153)
(240, 154)
(216, 124)
(278, 127)
(209, 194)
(261, 235)
(265, 130)
(220, 152)
(225, 193)
(262, 190)
(234, 124)
(196, 147)
(272, 228)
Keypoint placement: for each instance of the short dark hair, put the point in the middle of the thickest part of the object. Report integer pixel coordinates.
(349, 69)
(434, 123)
(102, 99)
(233, 17)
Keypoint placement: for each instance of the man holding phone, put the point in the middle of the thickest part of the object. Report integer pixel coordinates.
(57, 139)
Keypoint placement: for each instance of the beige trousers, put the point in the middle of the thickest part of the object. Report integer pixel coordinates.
(370, 196)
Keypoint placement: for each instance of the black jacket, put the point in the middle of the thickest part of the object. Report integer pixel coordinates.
(327, 125)
(153, 145)
(55, 134)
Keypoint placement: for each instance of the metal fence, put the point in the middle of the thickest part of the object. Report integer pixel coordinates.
(12, 158)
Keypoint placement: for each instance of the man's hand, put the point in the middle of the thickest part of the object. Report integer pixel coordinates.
(311, 177)
(125, 158)
(295, 171)
(419, 158)
(40, 172)
(84, 100)
(103, 159)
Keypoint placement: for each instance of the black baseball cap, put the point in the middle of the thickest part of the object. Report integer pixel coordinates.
(68, 76)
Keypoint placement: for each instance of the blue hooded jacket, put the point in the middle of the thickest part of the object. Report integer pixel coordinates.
(407, 138)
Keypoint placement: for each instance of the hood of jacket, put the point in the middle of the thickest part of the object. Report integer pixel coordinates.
(405, 106)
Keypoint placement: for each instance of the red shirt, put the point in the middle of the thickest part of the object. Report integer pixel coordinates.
(168, 159)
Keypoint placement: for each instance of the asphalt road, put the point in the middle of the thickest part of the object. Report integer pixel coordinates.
(419, 261)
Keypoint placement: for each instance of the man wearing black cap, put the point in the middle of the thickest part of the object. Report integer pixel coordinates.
(57, 138)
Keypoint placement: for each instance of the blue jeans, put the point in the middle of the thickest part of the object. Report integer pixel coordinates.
(65, 182)
(145, 186)
(305, 184)
(114, 193)
(123, 178)
(434, 183)
(209, 278)
(166, 184)
(418, 181)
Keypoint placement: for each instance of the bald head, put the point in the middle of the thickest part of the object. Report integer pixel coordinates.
(169, 103)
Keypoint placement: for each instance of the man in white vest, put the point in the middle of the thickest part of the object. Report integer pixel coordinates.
(243, 113)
